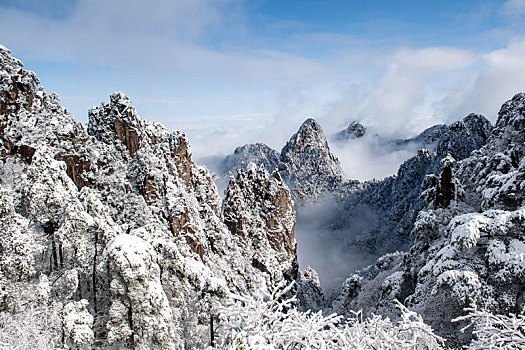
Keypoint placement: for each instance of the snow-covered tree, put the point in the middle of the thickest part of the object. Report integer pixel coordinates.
(273, 322)
(139, 315)
(77, 325)
(506, 332)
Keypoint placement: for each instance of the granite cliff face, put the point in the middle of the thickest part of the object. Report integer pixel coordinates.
(116, 222)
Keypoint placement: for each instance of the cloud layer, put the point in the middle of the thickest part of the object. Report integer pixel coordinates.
(201, 66)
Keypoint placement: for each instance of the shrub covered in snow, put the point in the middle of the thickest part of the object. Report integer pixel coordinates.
(494, 331)
(77, 325)
(38, 326)
(273, 322)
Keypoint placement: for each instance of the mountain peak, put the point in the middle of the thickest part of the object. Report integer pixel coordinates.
(306, 160)
(310, 133)
(143, 223)
(310, 123)
(464, 136)
(510, 125)
(511, 110)
(117, 120)
(354, 130)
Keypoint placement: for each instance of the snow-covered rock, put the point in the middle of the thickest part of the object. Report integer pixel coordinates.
(257, 154)
(259, 209)
(354, 130)
(307, 164)
(78, 324)
(428, 139)
(139, 312)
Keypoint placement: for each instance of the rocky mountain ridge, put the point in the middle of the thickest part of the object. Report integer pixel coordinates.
(305, 163)
(117, 230)
(467, 250)
(118, 224)
(366, 219)
(428, 139)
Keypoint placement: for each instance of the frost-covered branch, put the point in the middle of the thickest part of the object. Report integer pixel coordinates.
(36, 327)
(494, 331)
(272, 322)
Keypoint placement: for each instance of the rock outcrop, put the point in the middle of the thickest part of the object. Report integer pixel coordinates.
(354, 131)
(259, 209)
(307, 164)
(258, 154)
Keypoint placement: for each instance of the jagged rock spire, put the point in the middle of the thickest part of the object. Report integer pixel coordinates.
(307, 163)
(259, 209)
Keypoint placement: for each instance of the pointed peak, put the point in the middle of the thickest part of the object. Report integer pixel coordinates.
(119, 98)
(354, 130)
(252, 167)
(310, 132)
(119, 108)
(510, 126)
(306, 159)
(479, 120)
(310, 123)
(310, 135)
(117, 120)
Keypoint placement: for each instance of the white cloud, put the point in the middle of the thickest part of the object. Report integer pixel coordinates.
(498, 76)
(420, 88)
(198, 55)
(171, 36)
(514, 8)
(398, 102)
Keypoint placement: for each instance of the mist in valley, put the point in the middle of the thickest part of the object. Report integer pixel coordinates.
(327, 248)
(331, 232)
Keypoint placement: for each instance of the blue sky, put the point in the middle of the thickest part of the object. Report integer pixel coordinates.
(233, 72)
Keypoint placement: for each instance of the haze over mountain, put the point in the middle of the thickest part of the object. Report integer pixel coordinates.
(241, 72)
